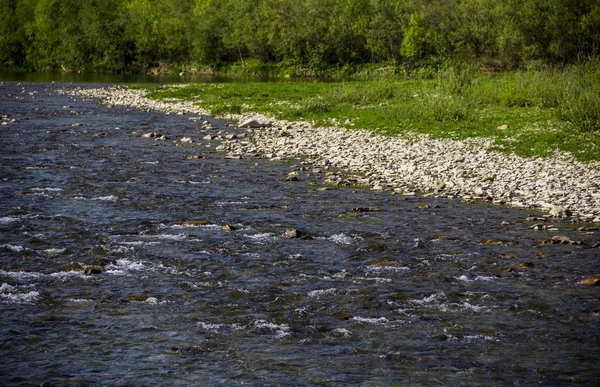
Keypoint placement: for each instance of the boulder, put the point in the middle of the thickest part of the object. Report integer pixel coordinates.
(254, 124)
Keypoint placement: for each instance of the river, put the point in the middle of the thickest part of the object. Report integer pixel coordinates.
(127, 260)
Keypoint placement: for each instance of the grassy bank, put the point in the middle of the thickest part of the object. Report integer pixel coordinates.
(526, 113)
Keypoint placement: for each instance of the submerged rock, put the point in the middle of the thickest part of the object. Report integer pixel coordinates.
(561, 240)
(194, 223)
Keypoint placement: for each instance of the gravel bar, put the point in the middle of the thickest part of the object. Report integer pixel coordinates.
(468, 170)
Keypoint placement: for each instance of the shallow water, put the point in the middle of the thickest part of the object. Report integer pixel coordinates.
(423, 292)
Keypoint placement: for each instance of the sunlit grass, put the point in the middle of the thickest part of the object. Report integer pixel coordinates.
(544, 112)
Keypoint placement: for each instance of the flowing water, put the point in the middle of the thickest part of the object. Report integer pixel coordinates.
(383, 290)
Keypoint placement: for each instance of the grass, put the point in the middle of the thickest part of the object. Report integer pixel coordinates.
(544, 111)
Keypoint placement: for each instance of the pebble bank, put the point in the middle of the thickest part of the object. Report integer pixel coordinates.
(468, 170)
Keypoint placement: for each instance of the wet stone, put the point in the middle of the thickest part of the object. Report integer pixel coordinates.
(293, 234)
(561, 239)
(590, 281)
(93, 270)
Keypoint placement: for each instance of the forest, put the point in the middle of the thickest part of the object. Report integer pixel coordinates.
(295, 37)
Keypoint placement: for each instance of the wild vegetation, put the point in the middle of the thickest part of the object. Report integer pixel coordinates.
(527, 113)
(295, 37)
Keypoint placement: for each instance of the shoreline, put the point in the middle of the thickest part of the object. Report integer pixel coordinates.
(465, 170)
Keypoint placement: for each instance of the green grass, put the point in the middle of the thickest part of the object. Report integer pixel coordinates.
(545, 112)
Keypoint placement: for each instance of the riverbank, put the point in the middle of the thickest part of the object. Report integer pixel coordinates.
(408, 164)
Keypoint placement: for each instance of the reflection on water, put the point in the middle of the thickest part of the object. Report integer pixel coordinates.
(99, 78)
(125, 262)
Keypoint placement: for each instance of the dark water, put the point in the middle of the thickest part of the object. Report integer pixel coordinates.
(423, 292)
(62, 77)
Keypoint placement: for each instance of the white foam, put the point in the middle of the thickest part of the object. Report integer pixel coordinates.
(211, 327)
(343, 239)
(322, 292)
(262, 238)
(22, 275)
(340, 332)
(55, 251)
(79, 300)
(280, 330)
(9, 219)
(379, 269)
(434, 298)
(378, 280)
(64, 275)
(13, 248)
(437, 301)
(10, 294)
(47, 189)
(177, 237)
(370, 320)
(109, 198)
(202, 226)
(465, 278)
(122, 266)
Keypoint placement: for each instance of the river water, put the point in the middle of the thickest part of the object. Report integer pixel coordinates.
(383, 290)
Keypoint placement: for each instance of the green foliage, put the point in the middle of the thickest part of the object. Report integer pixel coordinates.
(296, 37)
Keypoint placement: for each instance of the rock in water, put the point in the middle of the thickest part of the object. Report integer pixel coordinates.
(292, 234)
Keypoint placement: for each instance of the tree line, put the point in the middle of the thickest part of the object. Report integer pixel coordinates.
(307, 35)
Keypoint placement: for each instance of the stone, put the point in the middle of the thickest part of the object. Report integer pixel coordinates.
(439, 185)
(590, 281)
(292, 234)
(493, 242)
(561, 240)
(293, 176)
(559, 212)
(525, 265)
(419, 243)
(93, 270)
(229, 228)
(186, 140)
(536, 219)
(254, 124)
(445, 238)
(194, 223)
(366, 209)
